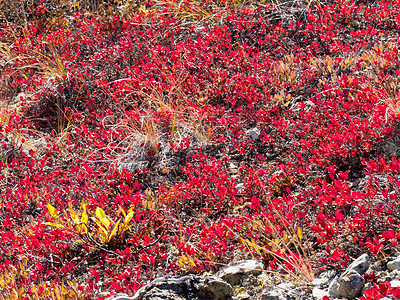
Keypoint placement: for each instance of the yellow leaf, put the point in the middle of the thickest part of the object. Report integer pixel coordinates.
(191, 261)
(84, 217)
(52, 210)
(114, 230)
(106, 222)
(257, 250)
(182, 260)
(122, 210)
(128, 217)
(100, 214)
(56, 294)
(74, 216)
(35, 291)
(101, 228)
(83, 205)
(299, 233)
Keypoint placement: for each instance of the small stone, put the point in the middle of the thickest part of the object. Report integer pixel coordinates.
(233, 169)
(325, 277)
(319, 281)
(287, 287)
(394, 251)
(383, 274)
(379, 265)
(243, 296)
(388, 278)
(240, 186)
(254, 133)
(395, 284)
(350, 285)
(395, 272)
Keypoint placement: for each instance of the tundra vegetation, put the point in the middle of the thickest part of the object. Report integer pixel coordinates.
(144, 138)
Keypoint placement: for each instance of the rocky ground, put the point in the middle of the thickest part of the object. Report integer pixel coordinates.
(248, 279)
(158, 147)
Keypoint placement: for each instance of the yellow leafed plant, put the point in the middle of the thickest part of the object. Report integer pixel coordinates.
(107, 231)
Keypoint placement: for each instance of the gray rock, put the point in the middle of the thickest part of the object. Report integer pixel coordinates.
(332, 289)
(360, 265)
(387, 278)
(214, 288)
(394, 264)
(182, 288)
(236, 272)
(254, 133)
(350, 284)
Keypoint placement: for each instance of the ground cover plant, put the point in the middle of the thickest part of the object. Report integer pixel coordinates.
(139, 139)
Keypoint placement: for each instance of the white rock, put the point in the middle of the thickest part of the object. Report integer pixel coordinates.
(240, 187)
(395, 283)
(319, 293)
